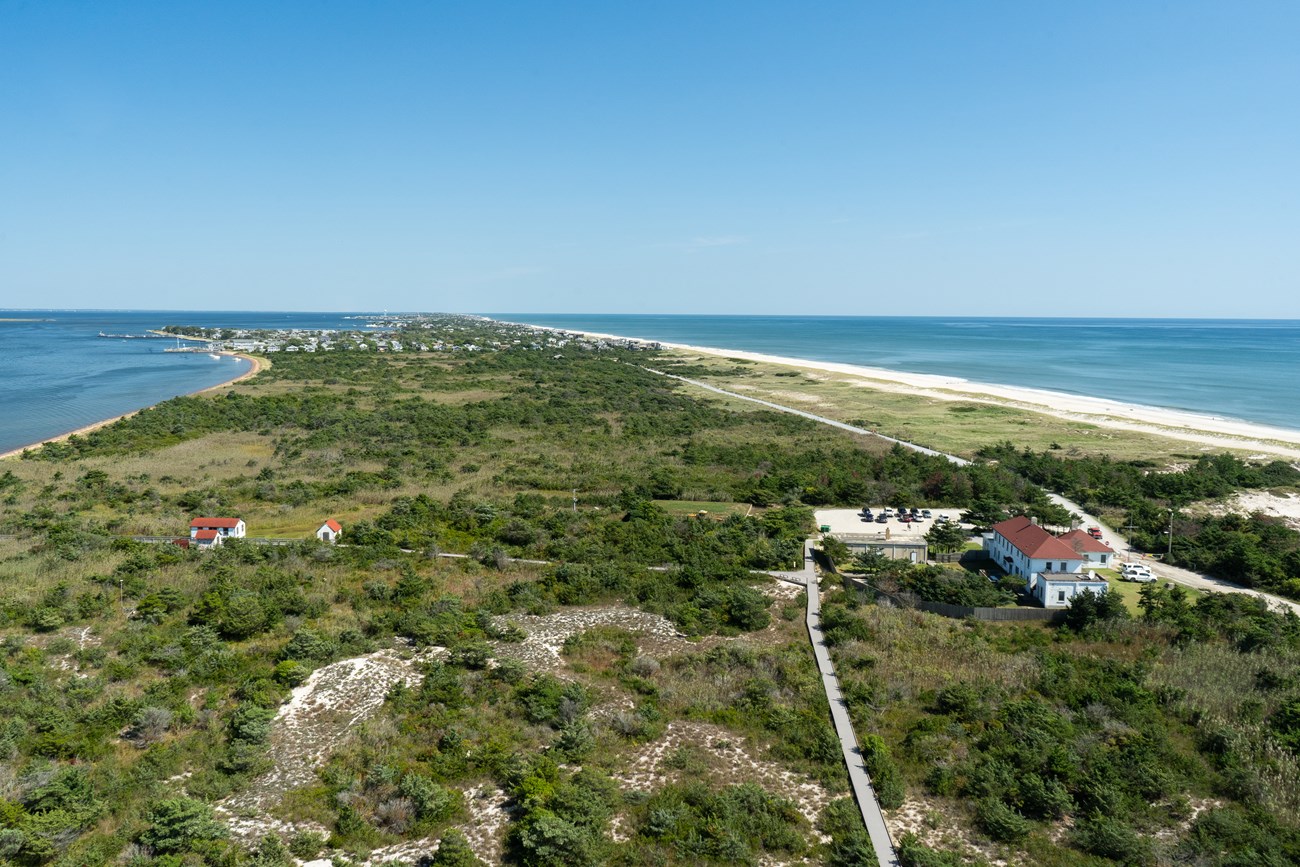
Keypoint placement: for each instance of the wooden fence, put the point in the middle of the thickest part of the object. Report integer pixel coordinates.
(903, 599)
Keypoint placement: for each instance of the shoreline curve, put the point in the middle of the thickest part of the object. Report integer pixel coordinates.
(257, 366)
(1217, 431)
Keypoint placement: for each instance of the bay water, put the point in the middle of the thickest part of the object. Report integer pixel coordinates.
(57, 374)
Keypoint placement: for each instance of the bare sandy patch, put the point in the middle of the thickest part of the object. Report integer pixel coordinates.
(485, 832)
(318, 717)
(1284, 506)
(540, 650)
(729, 761)
(938, 827)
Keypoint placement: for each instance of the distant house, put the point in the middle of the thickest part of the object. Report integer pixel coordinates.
(206, 538)
(329, 531)
(225, 527)
(1021, 547)
(1092, 550)
(1057, 589)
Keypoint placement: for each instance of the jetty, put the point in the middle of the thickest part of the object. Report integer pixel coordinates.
(131, 336)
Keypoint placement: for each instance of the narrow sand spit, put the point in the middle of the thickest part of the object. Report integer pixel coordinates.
(728, 761)
(317, 718)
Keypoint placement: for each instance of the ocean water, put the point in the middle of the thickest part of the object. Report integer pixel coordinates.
(1242, 369)
(57, 375)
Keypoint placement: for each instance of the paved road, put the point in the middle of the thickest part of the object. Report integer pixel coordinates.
(818, 418)
(1186, 577)
(858, 778)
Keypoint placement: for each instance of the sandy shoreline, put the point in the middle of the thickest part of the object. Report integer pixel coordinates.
(258, 365)
(1175, 424)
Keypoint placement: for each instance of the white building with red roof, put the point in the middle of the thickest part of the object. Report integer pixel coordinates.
(329, 531)
(225, 527)
(1052, 566)
(1021, 547)
(1093, 550)
(206, 538)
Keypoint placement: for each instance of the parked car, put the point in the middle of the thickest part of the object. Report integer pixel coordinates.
(925, 513)
(882, 518)
(1094, 532)
(904, 518)
(915, 511)
(1138, 572)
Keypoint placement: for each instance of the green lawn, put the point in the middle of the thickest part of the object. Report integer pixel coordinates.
(1128, 590)
(687, 507)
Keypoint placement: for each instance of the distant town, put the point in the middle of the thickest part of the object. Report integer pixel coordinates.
(410, 332)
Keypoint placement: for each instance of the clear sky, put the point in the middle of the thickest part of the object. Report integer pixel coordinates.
(993, 158)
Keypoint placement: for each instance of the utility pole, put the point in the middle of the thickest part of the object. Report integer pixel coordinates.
(1171, 535)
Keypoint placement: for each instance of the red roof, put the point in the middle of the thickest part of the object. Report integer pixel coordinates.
(218, 523)
(334, 525)
(206, 535)
(1081, 541)
(1033, 541)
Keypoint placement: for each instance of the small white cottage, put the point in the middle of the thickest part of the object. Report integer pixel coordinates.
(329, 531)
(1057, 589)
(225, 527)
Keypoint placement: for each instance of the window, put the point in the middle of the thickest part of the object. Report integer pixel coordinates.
(1060, 595)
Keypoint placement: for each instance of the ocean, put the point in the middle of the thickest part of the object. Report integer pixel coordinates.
(1231, 368)
(57, 375)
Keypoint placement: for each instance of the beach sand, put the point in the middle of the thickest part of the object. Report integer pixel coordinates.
(1185, 426)
(258, 365)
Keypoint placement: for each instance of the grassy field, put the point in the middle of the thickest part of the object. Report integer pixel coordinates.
(713, 508)
(957, 426)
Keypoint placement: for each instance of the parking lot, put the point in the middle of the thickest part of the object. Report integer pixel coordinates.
(850, 521)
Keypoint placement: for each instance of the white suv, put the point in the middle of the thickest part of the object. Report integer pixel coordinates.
(1137, 572)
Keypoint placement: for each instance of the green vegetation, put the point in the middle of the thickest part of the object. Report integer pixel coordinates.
(1141, 733)
(954, 423)
(529, 676)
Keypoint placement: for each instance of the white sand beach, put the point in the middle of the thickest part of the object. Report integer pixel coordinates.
(1208, 430)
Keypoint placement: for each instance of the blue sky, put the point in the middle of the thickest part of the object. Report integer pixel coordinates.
(998, 158)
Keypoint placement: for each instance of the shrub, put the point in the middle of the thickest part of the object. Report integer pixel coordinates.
(454, 851)
(1111, 838)
(176, 824)
(885, 777)
(1000, 821)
